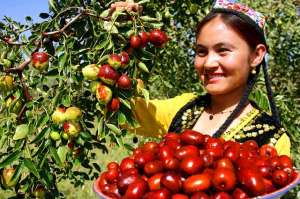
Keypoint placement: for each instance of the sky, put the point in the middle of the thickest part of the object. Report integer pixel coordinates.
(19, 9)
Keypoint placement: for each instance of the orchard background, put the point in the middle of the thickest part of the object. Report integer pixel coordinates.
(76, 33)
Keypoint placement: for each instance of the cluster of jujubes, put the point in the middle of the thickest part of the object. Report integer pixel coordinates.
(193, 165)
(107, 76)
(113, 74)
(156, 37)
(68, 119)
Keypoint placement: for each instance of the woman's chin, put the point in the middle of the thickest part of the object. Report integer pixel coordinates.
(215, 90)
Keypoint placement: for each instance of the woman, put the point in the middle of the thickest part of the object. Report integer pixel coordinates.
(230, 51)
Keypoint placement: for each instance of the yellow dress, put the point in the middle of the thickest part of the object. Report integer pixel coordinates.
(157, 117)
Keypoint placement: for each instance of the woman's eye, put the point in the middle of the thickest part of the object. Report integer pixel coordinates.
(200, 52)
(223, 50)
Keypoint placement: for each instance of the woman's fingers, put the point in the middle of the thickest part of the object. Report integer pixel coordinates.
(126, 6)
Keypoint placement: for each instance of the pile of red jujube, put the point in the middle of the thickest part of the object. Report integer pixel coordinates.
(196, 166)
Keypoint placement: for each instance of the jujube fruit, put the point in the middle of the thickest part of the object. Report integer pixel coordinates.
(40, 60)
(108, 74)
(90, 72)
(103, 94)
(114, 60)
(135, 41)
(124, 82)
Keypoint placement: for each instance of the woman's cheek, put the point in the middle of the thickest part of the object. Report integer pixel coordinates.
(199, 68)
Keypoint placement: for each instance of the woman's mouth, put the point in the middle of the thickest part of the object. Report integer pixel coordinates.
(214, 77)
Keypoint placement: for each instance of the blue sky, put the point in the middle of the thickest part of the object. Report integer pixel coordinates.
(19, 9)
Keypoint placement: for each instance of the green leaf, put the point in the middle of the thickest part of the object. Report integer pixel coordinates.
(129, 147)
(2, 25)
(55, 156)
(41, 135)
(116, 14)
(102, 45)
(149, 19)
(10, 159)
(43, 121)
(62, 153)
(53, 72)
(110, 27)
(146, 95)
(156, 25)
(116, 139)
(114, 128)
(31, 167)
(47, 177)
(143, 67)
(103, 58)
(3, 139)
(24, 39)
(52, 5)
(21, 132)
(97, 167)
(105, 13)
(28, 18)
(147, 54)
(43, 160)
(158, 16)
(129, 33)
(121, 118)
(100, 126)
(62, 60)
(85, 135)
(17, 173)
(125, 102)
(66, 101)
(24, 188)
(167, 84)
(44, 15)
(143, 1)
(43, 148)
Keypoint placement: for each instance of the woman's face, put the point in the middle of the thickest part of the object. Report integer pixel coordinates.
(222, 58)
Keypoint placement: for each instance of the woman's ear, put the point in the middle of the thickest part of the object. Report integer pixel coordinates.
(257, 55)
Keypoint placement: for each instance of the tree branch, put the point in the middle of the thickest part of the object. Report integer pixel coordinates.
(19, 118)
(20, 68)
(63, 28)
(9, 41)
(108, 18)
(24, 86)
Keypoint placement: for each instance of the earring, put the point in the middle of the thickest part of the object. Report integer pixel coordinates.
(253, 71)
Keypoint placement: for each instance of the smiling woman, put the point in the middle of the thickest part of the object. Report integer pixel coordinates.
(230, 50)
(223, 61)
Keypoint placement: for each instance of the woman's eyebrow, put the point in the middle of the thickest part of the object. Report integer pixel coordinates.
(218, 45)
(200, 46)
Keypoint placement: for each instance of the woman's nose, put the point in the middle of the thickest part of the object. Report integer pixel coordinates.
(211, 61)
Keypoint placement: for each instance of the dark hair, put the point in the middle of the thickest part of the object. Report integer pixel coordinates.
(253, 35)
(245, 26)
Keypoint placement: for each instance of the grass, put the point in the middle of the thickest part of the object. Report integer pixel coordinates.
(115, 153)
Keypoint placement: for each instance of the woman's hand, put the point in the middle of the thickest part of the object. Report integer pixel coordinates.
(121, 5)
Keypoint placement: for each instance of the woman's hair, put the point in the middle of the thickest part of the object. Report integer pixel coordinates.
(248, 31)
(253, 35)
